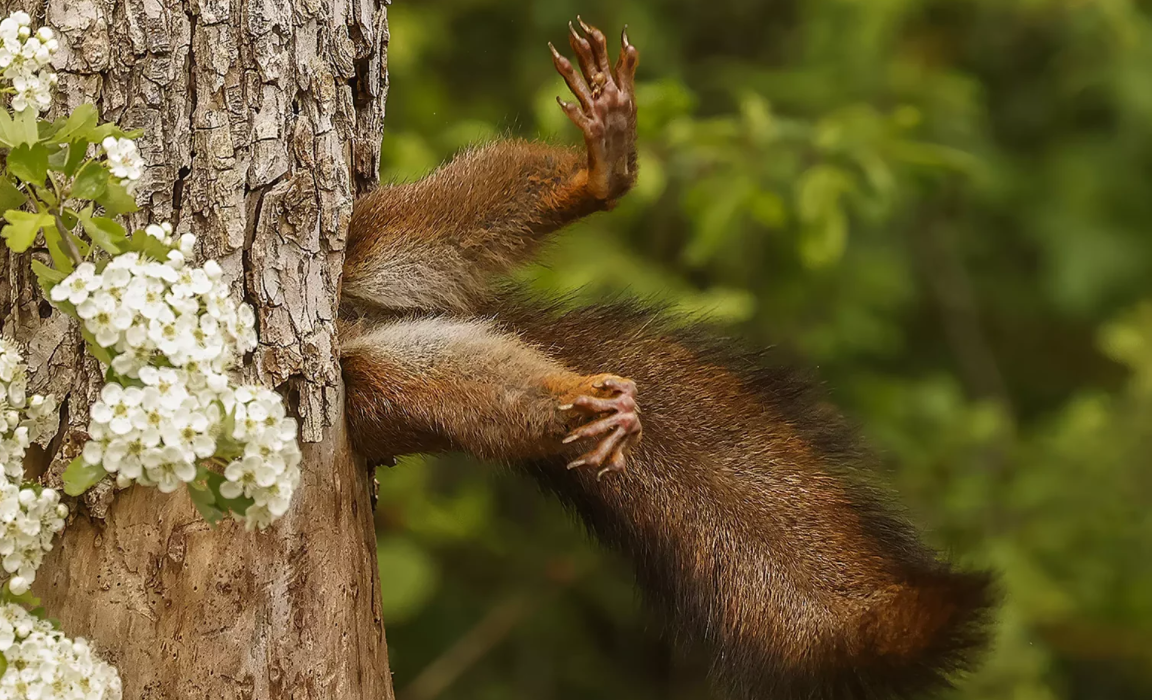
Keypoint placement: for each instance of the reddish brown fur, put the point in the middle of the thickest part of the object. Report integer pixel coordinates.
(508, 196)
(751, 524)
(744, 509)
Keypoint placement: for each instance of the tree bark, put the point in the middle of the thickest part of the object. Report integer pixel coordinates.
(261, 122)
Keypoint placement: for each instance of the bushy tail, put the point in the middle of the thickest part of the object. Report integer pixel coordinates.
(746, 514)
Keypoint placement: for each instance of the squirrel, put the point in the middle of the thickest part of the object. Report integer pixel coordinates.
(743, 509)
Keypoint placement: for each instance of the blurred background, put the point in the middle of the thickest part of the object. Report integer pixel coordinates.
(944, 205)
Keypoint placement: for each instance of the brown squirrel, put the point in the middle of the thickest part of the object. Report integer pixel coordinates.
(741, 509)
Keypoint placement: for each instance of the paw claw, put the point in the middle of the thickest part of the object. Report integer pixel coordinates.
(615, 424)
(606, 109)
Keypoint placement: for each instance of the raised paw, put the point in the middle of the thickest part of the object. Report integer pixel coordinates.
(610, 402)
(605, 109)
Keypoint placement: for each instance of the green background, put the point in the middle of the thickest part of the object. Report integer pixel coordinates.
(944, 205)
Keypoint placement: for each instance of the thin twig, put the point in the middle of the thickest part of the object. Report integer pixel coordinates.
(481, 639)
(473, 646)
(69, 242)
(65, 233)
(955, 296)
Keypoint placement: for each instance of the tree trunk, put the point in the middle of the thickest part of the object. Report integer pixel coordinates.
(261, 122)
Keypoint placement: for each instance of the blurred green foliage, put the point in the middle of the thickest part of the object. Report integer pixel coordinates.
(943, 204)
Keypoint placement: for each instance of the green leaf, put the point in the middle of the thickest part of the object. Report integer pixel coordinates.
(57, 157)
(91, 181)
(71, 218)
(3, 664)
(18, 130)
(111, 376)
(100, 353)
(818, 191)
(29, 163)
(22, 229)
(60, 258)
(234, 505)
(104, 232)
(27, 599)
(818, 204)
(10, 195)
(77, 150)
(46, 196)
(80, 476)
(205, 501)
(205, 493)
(823, 242)
(105, 130)
(46, 274)
(148, 245)
(116, 200)
(78, 124)
(82, 246)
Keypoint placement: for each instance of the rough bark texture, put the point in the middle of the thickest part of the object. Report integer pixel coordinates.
(261, 123)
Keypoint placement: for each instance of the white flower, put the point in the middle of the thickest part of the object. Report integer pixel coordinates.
(123, 158)
(169, 384)
(189, 431)
(161, 232)
(43, 664)
(241, 476)
(10, 359)
(187, 245)
(76, 287)
(134, 353)
(118, 273)
(13, 384)
(276, 498)
(116, 406)
(176, 330)
(24, 62)
(43, 417)
(158, 270)
(28, 522)
(257, 518)
(105, 318)
(126, 455)
(93, 452)
(146, 296)
(269, 470)
(170, 469)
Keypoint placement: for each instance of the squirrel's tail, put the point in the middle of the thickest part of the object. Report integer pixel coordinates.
(751, 526)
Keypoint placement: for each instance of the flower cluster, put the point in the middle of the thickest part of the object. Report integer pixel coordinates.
(24, 62)
(43, 663)
(29, 517)
(124, 159)
(268, 469)
(28, 522)
(174, 334)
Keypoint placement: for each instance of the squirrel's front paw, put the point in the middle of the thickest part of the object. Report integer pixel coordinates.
(611, 401)
(605, 109)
